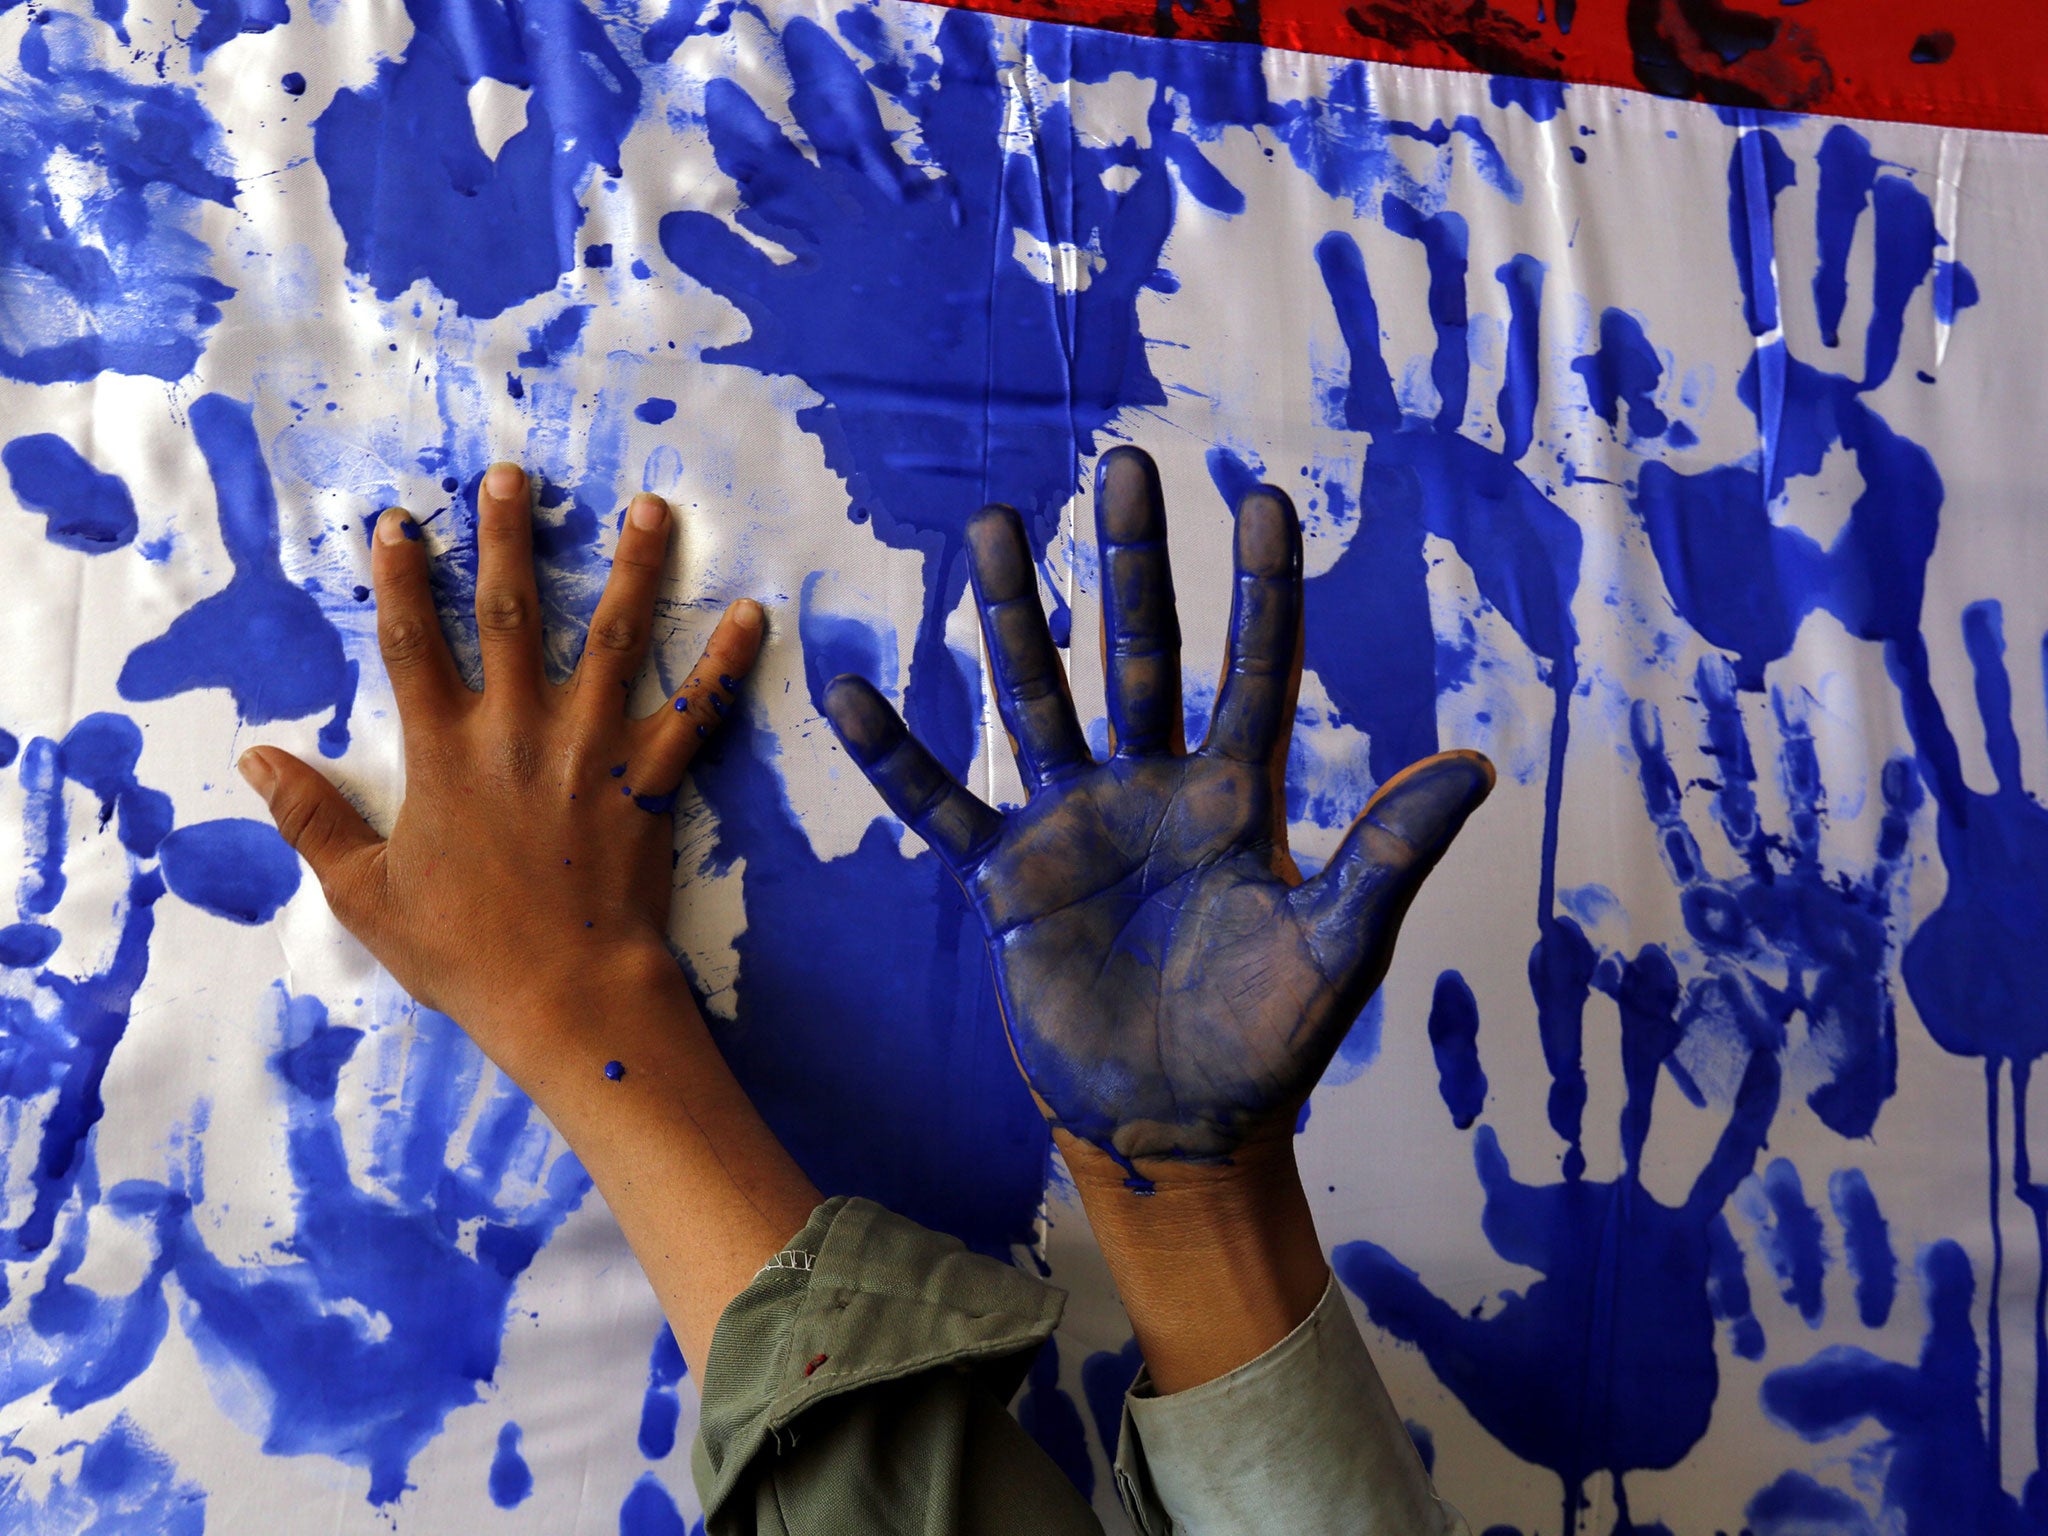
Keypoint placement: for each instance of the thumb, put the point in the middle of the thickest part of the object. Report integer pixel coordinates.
(1355, 906)
(322, 828)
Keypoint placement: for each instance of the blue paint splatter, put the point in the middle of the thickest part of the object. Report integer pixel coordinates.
(119, 282)
(650, 1511)
(293, 83)
(1541, 99)
(261, 637)
(597, 255)
(1454, 1037)
(414, 192)
(555, 340)
(1050, 1418)
(655, 410)
(234, 868)
(1624, 372)
(511, 1479)
(87, 510)
(661, 1407)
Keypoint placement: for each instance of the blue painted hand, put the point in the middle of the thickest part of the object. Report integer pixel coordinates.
(1172, 988)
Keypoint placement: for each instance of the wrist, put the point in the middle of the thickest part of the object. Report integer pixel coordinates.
(543, 1019)
(1215, 1264)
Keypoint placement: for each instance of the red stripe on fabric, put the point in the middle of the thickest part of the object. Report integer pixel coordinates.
(1978, 65)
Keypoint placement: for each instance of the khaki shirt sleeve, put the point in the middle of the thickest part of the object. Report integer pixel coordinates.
(1303, 1439)
(860, 1383)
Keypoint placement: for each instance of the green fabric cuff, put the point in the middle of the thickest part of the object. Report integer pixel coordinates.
(859, 1296)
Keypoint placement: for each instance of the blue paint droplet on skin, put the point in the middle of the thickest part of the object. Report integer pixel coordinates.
(461, 219)
(87, 510)
(650, 1511)
(656, 805)
(127, 285)
(728, 684)
(1541, 99)
(294, 84)
(261, 637)
(619, 771)
(511, 1479)
(597, 255)
(655, 411)
(235, 868)
(26, 945)
(661, 1407)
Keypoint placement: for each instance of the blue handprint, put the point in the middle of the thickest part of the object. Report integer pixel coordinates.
(1631, 1287)
(385, 1310)
(123, 1483)
(951, 375)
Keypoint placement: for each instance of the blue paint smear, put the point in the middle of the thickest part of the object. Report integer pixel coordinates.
(121, 283)
(1106, 1376)
(1866, 1244)
(649, 1511)
(262, 638)
(87, 510)
(655, 411)
(124, 1485)
(430, 1249)
(1624, 372)
(683, 20)
(1728, 1291)
(414, 193)
(1541, 99)
(1790, 1237)
(23, 946)
(1050, 1418)
(234, 868)
(1848, 171)
(892, 308)
(1454, 1037)
(511, 1478)
(100, 753)
(1940, 1470)
(555, 340)
(597, 255)
(662, 1406)
(1796, 1505)
(222, 21)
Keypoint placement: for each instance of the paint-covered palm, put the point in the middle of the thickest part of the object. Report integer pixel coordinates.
(1170, 984)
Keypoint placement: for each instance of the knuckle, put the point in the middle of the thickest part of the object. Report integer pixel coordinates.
(403, 642)
(616, 633)
(501, 611)
(298, 823)
(517, 757)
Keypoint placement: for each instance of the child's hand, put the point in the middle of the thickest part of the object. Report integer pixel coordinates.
(1172, 988)
(530, 859)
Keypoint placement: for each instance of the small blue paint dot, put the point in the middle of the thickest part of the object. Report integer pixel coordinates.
(1578, 154)
(615, 1070)
(597, 255)
(362, 594)
(590, 925)
(619, 772)
(681, 705)
(727, 684)
(625, 789)
(642, 271)
(294, 84)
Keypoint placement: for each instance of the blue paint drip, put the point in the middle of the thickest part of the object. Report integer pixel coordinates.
(1866, 1244)
(661, 1407)
(234, 868)
(1625, 371)
(511, 1479)
(1050, 1418)
(261, 637)
(87, 510)
(413, 190)
(1789, 1234)
(895, 329)
(650, 1511)
(123, 284)
(1541, 99)
(1454, 1037)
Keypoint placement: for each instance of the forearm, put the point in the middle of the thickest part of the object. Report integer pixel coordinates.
(700, 1186)
(1215, 1266)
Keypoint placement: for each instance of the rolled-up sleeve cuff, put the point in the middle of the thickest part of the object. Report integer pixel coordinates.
(1303, 1439)
(859, 1296)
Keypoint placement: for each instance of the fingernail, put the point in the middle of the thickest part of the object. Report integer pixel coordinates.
(647, 512)
(748, 615)
(256, 769)
(395, 526)
(502, 479)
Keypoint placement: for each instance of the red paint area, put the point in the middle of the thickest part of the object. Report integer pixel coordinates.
(1981, 65)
